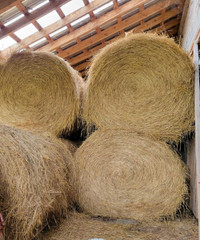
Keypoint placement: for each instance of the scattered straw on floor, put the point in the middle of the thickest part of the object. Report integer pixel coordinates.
(143, 82)
(33, 182)
(82, 227)
(121, 174)
(39, 92)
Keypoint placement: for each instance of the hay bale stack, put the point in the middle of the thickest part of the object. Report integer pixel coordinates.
(125, 175)
(33, 182)
(82, 227)
(39, 92)
(143, 82)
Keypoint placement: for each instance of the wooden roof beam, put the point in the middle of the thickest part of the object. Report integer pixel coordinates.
(31, 17)
(12, 35)
(60, 13)
(22, 8)
(109, 17)
(83, 66)
(120, 26)
(115, 4)
(92, 16)
(98, 22)
(53, 27)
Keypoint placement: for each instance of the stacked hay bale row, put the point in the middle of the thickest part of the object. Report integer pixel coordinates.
(40, 99)
(139, 95)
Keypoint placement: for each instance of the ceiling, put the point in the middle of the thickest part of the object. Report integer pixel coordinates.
(83, 28)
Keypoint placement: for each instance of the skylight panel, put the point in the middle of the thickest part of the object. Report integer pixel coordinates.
(13, 20)
(34, 5)
(81, 21)
(26, 31)
(58, 33)
(122, 1)
(10, 16)
(39, 6)
(72, 6)
(38, 43)
(103, 8)
(6, 43)
(48, 19)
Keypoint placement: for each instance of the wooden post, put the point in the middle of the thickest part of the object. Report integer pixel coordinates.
(197, 128)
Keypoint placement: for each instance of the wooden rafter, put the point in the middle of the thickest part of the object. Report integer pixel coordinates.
(57, 25)
(52, 5)
(120, 26)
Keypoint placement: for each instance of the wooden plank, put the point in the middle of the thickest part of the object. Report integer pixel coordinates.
(118, 27)
(53, 27)
(83, 66)
(52, 5)
(171, 24)
(197, 127)
(191, 163)
(22, 8)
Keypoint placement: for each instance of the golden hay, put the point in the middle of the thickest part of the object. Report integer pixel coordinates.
(124, 175)
(72, 146)
(33, 182)
(39, 92)
(82, 227)
(143, 82)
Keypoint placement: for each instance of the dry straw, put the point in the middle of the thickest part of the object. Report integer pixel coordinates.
(82, 227)
(143, 82)
(39, 92)
(124, 175)
(34, 182)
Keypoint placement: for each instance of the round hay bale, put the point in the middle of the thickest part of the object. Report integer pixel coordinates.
(125, 175)
(143, 82)
(82, 227)
(34, 187)
(39, 92)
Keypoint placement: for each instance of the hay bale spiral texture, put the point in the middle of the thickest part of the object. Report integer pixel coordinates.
(34, 185)
(83, 227)
(39, 92)
(125, 175)
(143, 82)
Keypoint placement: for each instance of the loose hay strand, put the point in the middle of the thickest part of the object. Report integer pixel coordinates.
(34, 182)
(143, 82)
(39, 92)
(126, 175)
